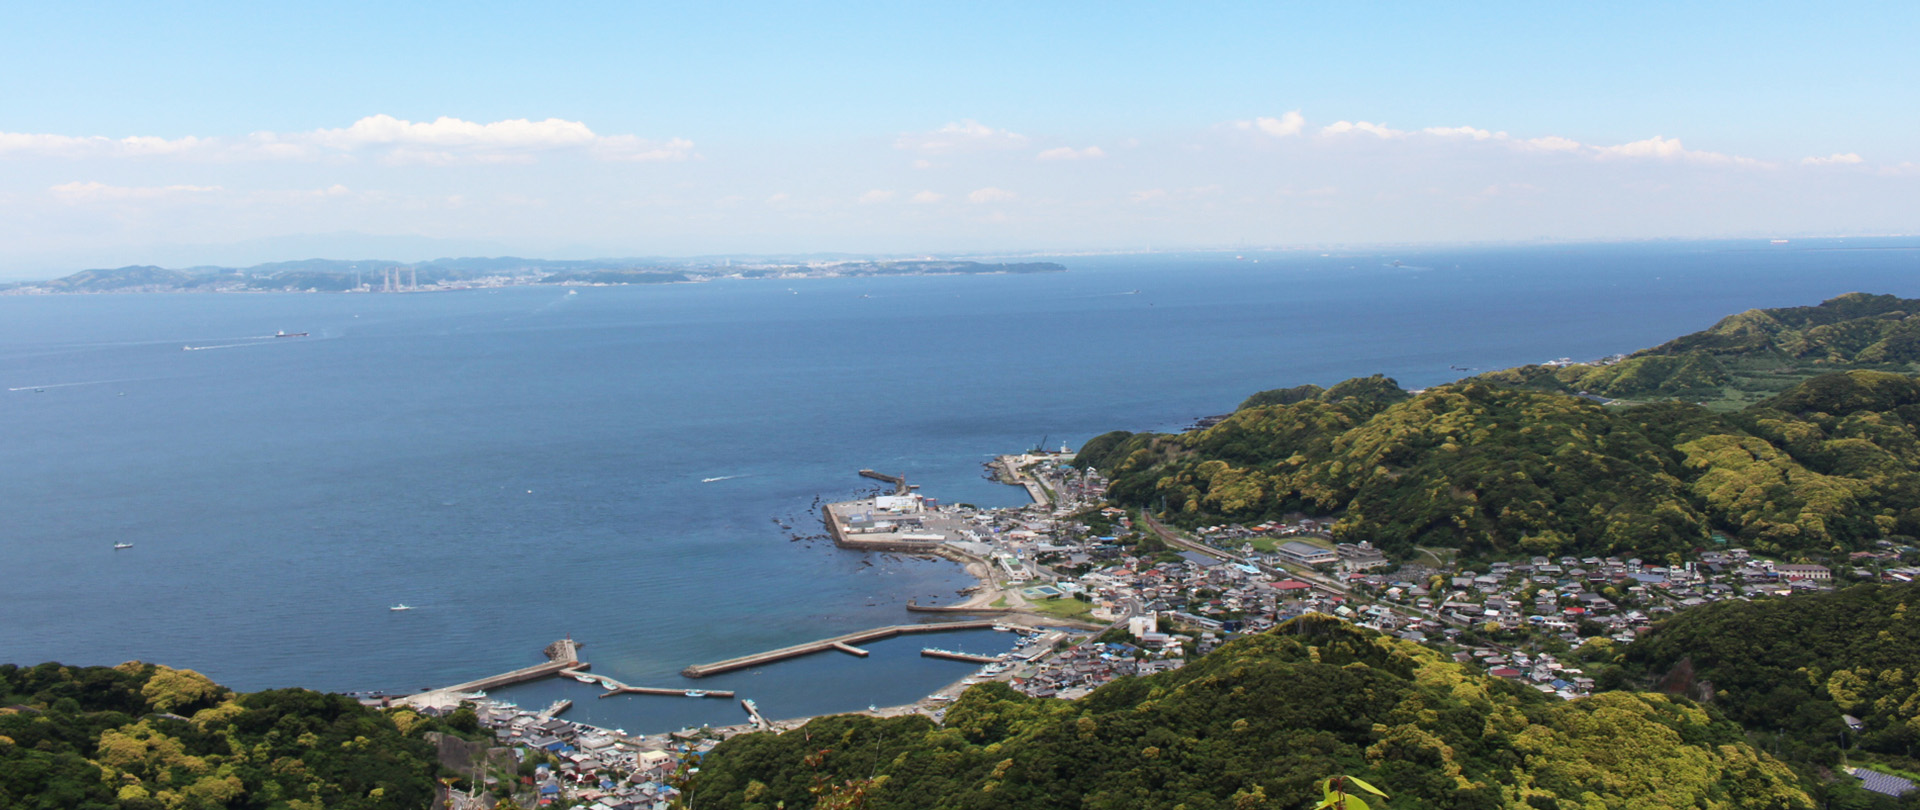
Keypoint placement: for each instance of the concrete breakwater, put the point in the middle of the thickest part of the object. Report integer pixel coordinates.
(899, 483)
(835, 643)
(561, 655)
(564, 660)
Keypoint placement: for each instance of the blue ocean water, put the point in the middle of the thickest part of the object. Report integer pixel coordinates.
(523, 464)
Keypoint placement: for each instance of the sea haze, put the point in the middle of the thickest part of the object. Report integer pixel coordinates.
(526, 463)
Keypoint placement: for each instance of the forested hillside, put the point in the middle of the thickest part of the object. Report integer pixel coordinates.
(1830, 465)
(1751, 355)
(145, 737)
(1253, 725)
(1793, 667)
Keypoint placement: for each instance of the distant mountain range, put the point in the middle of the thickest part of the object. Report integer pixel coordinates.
(372, 275)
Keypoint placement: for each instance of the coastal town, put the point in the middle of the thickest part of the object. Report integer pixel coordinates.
(1096, 592)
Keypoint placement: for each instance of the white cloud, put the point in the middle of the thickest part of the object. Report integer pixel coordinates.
(876, 196)
(1070, 153)
(1835, 159)
(966, 136)
(1290, 124)
(1553, 143)
(1669, 149)
(78, 192)
(517, 140)
(443, 140)
(1347, 127)
(26, 143)
(990, 195)
(923, 163)
(928, 197)
(1463, 132)
(1655, 146)
(446, 131)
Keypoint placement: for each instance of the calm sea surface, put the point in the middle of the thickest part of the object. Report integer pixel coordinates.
(524, 464)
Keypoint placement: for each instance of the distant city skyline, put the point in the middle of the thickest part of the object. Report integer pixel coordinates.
(227, 133)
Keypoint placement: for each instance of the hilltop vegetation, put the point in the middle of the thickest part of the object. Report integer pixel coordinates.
(145, 737)
(1253, 725)
(1827, 466)
(1749, 356)
(1793, 667)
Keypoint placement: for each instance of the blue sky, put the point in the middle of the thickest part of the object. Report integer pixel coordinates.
(923, 127)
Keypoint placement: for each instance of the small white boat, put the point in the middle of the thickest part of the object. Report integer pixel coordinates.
(118, 546)
(696, 693)
(400, 607)
(586, 679)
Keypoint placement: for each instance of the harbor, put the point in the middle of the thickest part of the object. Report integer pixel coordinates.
(1004, 597)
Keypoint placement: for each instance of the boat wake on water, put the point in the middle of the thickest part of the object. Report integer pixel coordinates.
(227, 345)
(720, 478)
(69, 384)
(254, 340)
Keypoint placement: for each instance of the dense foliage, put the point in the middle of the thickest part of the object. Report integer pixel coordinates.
(1795, 666)
(145, 737)
(1753, 353)
(1256, 724)
(1827, 466)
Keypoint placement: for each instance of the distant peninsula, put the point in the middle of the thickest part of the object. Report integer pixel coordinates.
(373, 275)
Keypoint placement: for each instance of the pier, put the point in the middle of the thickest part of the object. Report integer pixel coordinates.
(835, 643)
(950, 655)
(850, 649)
(554, 710)
(623, 689)
(899, 482)
(753, 713)
(614, 687)
(1017, 478)
(561, 655)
